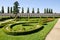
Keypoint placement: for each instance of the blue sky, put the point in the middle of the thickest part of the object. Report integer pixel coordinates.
(41, 4)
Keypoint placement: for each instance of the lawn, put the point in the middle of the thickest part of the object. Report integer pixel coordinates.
(40, 35)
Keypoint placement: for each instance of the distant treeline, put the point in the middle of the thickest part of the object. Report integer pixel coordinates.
(15, 9)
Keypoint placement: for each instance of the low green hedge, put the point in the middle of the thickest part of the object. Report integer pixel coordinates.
(7, 29)
(22, 32)
(5, 23)
(5, 18)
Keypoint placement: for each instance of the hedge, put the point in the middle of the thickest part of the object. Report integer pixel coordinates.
(9, 31)
(5, 18)
(5, 23)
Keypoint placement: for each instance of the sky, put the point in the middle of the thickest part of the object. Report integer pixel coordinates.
(41, 4)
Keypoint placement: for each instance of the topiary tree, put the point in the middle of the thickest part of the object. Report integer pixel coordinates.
(16, 9)
(22, 10)
(33, 10)
(27, 10)
(2, 9)
(38, 10)
(8, 10)
(11, 10)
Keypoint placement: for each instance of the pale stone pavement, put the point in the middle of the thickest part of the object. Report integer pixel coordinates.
(55, 32)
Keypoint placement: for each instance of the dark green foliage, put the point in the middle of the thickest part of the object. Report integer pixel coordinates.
(38, 10)
(2, 9)
(22, 10)
(33, 10)
(27, 10)
(47, 10)
(3, 24)
(8, 10)
(16, 8)
(10, 32)
(51, 11)
(5, 18)
(11, 10)
(44, 10)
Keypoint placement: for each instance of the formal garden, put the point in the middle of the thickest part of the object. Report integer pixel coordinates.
(25, 28)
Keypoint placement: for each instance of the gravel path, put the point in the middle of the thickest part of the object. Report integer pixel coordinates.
(55, 32)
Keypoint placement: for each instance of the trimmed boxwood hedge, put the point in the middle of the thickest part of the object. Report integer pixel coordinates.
(5, 23)
(7, 29)
(5, 18)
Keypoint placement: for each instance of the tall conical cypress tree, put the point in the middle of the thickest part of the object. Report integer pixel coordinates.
(45, 10)
(38, 10)
(27, 10)
(22, 10)
(51, 11)
(8, 10)
(33, 10)
(2, 9)
(11, 10)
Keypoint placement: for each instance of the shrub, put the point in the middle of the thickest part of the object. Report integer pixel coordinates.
(11, 32)
(5, 18)
(5, 23)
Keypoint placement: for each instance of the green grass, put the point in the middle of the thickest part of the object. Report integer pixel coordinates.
(21, 27)
(35, 36)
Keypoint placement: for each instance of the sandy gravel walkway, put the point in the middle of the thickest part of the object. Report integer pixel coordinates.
(55, 32)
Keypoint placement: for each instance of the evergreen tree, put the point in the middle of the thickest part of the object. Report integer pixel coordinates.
(38, 10)
(33, 10)
(16, 8)
(51, 11)
(45, 11)
(11, 10)
(8, 10)
(22, 10)
(2, 9)
(27, 10)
